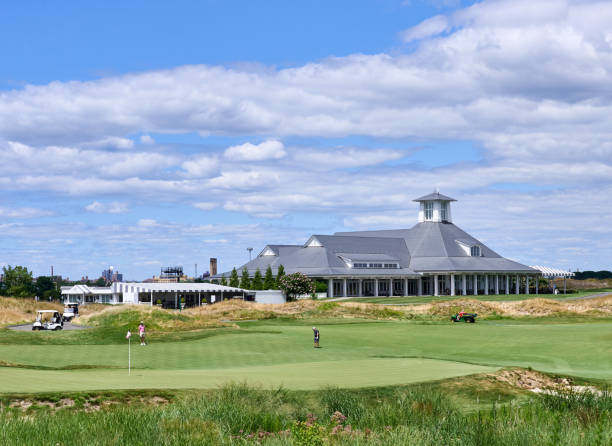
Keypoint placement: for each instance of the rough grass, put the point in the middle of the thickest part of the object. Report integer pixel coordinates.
(16, 311)
(237, 414)
(225, 314)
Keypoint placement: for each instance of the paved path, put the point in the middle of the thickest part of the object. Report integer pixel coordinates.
(28, 327)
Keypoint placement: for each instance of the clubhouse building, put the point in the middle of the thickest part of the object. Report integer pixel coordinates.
(434, 257)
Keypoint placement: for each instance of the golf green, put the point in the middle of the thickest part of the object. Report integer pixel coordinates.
(353, 354)
(306, 375)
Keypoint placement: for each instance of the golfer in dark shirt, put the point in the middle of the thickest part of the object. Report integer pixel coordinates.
(316, 337)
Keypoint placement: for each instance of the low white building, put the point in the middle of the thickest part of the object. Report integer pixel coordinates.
(168, 295)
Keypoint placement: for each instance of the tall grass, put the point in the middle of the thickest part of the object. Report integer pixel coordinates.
(238, 414)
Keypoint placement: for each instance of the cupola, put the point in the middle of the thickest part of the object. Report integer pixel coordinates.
(435, 207)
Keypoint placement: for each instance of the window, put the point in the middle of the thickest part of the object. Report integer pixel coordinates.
(376, 265)
(444, 211)
(429, 210)
(360, 265)
(390, 265)
(475, 251)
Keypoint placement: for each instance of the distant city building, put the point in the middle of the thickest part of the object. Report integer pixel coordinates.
(170, 274)
(110, 275)
(213, 266)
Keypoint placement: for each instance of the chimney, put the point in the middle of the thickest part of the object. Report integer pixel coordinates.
(213, 266)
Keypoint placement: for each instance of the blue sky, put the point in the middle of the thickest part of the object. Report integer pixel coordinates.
(141, 134)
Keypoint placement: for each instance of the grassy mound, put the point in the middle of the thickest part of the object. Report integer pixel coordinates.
(17, 311)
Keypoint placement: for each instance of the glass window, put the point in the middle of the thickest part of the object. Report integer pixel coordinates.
(444, 211)
(429, 210)
(475, 251)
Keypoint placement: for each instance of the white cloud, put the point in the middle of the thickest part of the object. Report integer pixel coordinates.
(25, 212)
(202, 166)
(270, 149)
(147, 223)
(346, 157)
(427, 28)
(111, 142)
(107, 208)
(147, 139)
(205, 205)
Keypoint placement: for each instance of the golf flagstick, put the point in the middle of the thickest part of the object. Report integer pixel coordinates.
(129, 338)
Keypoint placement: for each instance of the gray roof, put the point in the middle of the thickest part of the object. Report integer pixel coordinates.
(434, 196)
(426, 247)
(434, 246)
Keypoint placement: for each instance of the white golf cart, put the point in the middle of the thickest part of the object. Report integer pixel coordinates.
(70, 311)
(48, 320)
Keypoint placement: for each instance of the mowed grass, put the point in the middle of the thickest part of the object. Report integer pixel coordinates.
(354, 354)
(408, 300)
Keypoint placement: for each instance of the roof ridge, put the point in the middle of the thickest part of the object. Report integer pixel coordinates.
(357, 236)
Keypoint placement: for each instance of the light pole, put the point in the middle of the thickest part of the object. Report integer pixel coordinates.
(250, 251)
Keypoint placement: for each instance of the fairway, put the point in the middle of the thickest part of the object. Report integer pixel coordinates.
(354, 354)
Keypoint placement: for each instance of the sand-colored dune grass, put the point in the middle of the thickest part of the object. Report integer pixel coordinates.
(15, 311)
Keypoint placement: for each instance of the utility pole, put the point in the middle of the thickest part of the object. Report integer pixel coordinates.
(250, 251)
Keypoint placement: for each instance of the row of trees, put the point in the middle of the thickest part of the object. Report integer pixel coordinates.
(292, 285)
(18, 282)
(258, 282)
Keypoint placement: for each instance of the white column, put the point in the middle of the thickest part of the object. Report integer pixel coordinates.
(475, 284)
(452, 279)
(375, 287)
(344, 288)
(360, 290)
(390, 287)
(537, 284)
(486, 284)
(175, 300)
(405, 287)
(496, 283)
(436, 290)
(463, 284)
(420, 286)
(526, 284)
(517, 285)
(199, 298)
(507, 290)
(330, 287)
(151, 297)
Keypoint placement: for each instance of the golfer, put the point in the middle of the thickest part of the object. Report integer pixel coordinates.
(141, 333)
(316, 337)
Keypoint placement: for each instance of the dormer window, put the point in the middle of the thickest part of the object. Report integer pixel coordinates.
(475, 251)
(429, 210)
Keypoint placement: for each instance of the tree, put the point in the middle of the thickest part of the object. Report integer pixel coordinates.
(223, 281)
(295, 284)
(257, 282)
(18, 281)
(280, 273)
(269, 283)
(45, 288)
(245, 281)
(101, 281)
(234, 281)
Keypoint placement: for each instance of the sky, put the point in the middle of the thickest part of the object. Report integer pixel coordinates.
(144, 134)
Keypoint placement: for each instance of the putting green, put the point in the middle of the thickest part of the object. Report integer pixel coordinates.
(310, 375)
(354, 354)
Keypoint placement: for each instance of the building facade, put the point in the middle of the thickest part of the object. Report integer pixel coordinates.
(435, 257)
